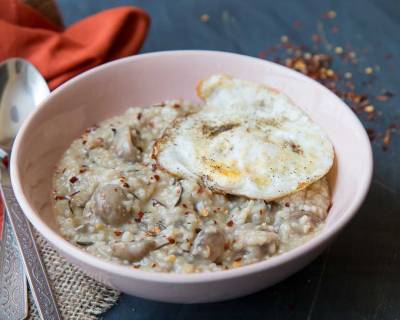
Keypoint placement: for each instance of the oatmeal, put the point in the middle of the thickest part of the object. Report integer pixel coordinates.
(112, 201)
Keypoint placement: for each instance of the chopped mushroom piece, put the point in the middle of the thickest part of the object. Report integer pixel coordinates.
(209, 243)
(123, 144)
(108, 204)
(133, 251)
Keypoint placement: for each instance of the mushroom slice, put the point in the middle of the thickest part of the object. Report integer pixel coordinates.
(133, 251)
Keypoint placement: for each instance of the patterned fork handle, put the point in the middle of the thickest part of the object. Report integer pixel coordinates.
(34, 268)
(13, 289)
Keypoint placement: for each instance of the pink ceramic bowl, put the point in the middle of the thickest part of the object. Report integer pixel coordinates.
(110, 89)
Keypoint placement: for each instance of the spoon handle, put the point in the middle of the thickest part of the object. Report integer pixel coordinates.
(34, 267)
(13, 288)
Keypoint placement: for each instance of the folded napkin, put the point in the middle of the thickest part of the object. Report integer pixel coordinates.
(60, 53)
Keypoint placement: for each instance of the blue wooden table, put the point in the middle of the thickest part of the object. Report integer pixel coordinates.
(358, 277)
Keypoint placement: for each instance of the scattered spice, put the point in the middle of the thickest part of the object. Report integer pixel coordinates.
(324, 61)
(339, 50)
(139, 216)
(369, 108)
(118, 233)
(139, 116)
(73, 179)
(171, 240)
(157, 177)
(126, 185)
(5, 161)
(371, 134)
(369, 70)
(387, 139)
(330, 14)
(83, 169)
(229, 223)
(91, 129)
(204, 17)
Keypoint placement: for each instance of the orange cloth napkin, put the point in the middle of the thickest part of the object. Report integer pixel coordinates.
(60, 54)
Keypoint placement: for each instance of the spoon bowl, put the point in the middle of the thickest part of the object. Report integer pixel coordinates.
(22, 88)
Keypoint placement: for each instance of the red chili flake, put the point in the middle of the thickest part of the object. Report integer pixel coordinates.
(157, 177)
(329, 14)
(5, 161)
(153, 265)
(171, 240)
(229, 223)
(84, 142)
(139, 116)
(57, 198)
(114, 130)
(118, 233)
(82, 170)
(94, 128)
(382, 98)
(184, 205)
(262, 55)
(187, 213)
(371, 134)
(238, 259)
(176, 106)
(73, 179)
(140, 215)
(200, 190)
(387, 137)
(287, 204)
(153, 167)
(226, 246)
(197, 230)
(136, 266)
(126, 185)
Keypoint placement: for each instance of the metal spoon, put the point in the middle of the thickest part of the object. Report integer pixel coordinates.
(22, 88)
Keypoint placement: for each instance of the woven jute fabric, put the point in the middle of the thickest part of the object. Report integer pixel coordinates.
(78, 296)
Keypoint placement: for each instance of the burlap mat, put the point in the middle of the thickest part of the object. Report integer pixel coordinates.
(77, 295)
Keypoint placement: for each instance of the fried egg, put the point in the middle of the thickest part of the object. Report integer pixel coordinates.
(248, 139)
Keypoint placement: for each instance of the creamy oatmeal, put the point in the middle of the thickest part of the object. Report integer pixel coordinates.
(112, 200)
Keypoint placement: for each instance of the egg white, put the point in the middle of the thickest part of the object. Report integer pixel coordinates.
(248, 140)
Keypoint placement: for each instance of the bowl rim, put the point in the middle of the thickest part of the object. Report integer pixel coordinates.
(127, 271)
